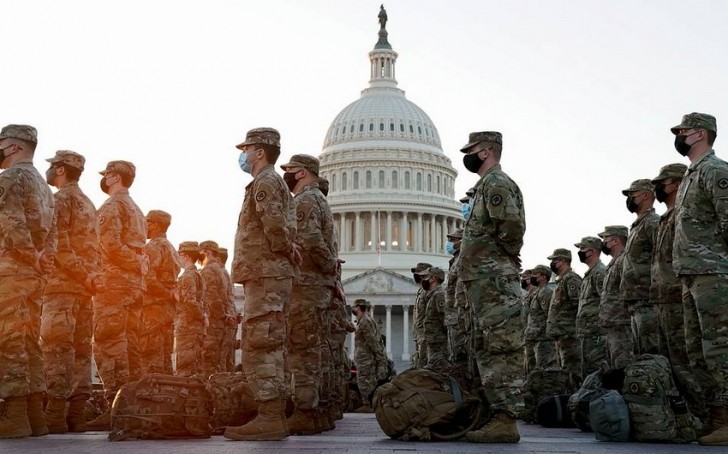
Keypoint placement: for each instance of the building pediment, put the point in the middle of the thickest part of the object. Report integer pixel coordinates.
(379, 281)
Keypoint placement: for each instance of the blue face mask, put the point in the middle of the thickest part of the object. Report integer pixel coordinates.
(465, 209)
(243, 163)
(450, 248)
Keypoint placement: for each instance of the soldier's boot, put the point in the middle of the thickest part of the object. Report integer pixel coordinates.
(330, 420)
(14, 418)
(501, 428)
(303, 422)
(76, 418)
(55, 415)
(102, 423)
(35, 415)
(719, 422)
(365, 408)
(336, 412)
(268, 425)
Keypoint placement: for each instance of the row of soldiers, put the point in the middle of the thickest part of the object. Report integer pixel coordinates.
(663, 291)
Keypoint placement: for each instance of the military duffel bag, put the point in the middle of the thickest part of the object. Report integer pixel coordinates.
(233, 401)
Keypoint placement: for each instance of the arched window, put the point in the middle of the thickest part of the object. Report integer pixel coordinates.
(371, 126)
(333, 182)
(381, 179)
(419, 181)
(412, 129)
(351, 128)
(361, 127)
(401, 127)
(391, 126)
(395, 180)
(407, 184)
(344, 182)
(381, 126)
(429, 182)
(368, 178)
(419, 130)
(438, 184)
(356, 180)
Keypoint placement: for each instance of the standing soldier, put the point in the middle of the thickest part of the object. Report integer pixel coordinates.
(312, 293)
(158, 307)
(216, 303)
(489, 266)
(369, 355)
(233, 316)
(700, 258)
(561, 321)
(544, 348)
(117, 309)
(613, 316)
(529, 346)
(66, 323)
(190, 323)
(419, 358)
(454, 313)
(635, 285)
(27, 247)
(588, 332)
(265, 262)
(435, 338)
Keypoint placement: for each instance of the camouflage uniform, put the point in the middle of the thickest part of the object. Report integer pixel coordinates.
(635, 286)
(190, 318)
(492, 241)
(419, 357)
(435, 338)
(216, 304)
(592, 340)
(117, 310)
(544, 347)
(27, 229)
(561, 321)
(158, 306)
(66, 322)
(340, 325)
(529, 346)
(613, 315)
(369, 355)
(453, 315)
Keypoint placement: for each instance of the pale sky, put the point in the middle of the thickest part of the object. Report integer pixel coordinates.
(584, 92)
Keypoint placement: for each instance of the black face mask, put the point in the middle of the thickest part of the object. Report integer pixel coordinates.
(290, 179)
(534, 281)
(631, 205)
(660, 193)
(426, 285)
(582, 256)
(472, 162)
(104, 186)
(553, 267)
(50, 174)
(3, 155)
(682, 147)
(524, 284)
(606, 249)
(417, 278)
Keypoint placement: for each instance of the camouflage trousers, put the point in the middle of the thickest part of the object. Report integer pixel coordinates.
(645, 326)
(340, 367)
(117, 317)
(496, 341)
(188, 351)
(529, 356)
(707, 295)
(457, 342)
(366, 378)
(153, 335)
(545, 354)
(265, 336)
(65, 331)
(327, 391)
(620, 346)
(593, 352)
(568, 356)
(231, 334)
(21, 359)
(214, 354)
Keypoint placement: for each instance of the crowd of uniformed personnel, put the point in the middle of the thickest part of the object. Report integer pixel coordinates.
(71, 273)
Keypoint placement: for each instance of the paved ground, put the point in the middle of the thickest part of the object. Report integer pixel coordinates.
(356, 433)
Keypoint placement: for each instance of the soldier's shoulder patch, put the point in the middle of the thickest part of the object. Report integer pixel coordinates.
(260, 195)
(496, 199)
(722, 183)
(572, 287)
(299, 216)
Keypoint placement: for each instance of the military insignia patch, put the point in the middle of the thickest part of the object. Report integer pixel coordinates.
(260, 196)
(299, 217)
(572, 287)
(722, 184)
(496, 200)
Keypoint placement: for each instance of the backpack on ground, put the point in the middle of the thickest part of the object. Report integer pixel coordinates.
(233, 401)
(541, 384)
(553, 411)
(609, 417)
(580, 400)
(161, 407)
(421, 404)
(652, 397)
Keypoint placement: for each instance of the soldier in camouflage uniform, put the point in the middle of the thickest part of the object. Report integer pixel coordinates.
(419, 357)
(27, 248)
(158, 306)
(66, 322)
(369, 355)
(190, 320)
(635, 285)
(590, 335)
(435, 338)
(544, 347)
(700, 258)
(265, 261)
(216, 304)
(666, 295)
(489, 269)
(561, 321)
(311, 297)
(117, 309)
(529, 346)
(613, 315)
(233, 316)
(454, 314)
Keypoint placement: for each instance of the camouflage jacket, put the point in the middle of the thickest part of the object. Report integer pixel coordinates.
(190, 313)
(316, 236)
(216, 293)
(612, 309)
(161, 279)
(434, 322)
(493, 234)
(418, 313)
(27, 223)
(451, 311)
(587, 318)
(122, 235)
(78, 254)
(266, 229)
(368, 348)
(635, 285)
(701, 219)
(538, 312)
(561, 321)
(528, 295)
(666, 287)
(231, 309)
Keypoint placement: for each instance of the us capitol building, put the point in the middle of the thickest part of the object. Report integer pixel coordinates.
(392, 196)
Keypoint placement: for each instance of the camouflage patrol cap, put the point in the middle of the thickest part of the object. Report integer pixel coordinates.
(468, 194)
(323, 185)
(590, 242)
(362, 302)
(261, 136)
(614, 230)
(642, 184)
(303, 161)
(159, 216)
(209, 245)
(189, 246)
(457, 234)
(676, 170)
(22, 132)
(436, 272)
(125, 167)
(560, 254)
(526, 274)
(222, 250)
(542, 269)
(421, 268)
(483, 136)
(696, 120)
(68, 157)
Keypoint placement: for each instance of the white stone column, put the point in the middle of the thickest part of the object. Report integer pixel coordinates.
(443, 237)
(419, 238)
(388, 236)
(403, 232)
(357, 231)
(433, 233)
(405, 333)
(344, 233)
(389, 330)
